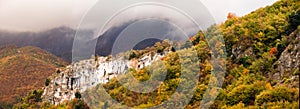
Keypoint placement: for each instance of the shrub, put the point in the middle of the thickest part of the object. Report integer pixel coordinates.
(133, 54)
(77, 95)
(58, 71)
(238, 106)
(281, 105)
(31, 101)
(173, 49)
(273, 51)
(159, 47)
(278, 94)
(245, 93)
(245, 61)
(73, 104)
(293, 19)
(47, 82)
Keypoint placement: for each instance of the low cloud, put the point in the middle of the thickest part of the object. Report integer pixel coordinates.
(36, 15)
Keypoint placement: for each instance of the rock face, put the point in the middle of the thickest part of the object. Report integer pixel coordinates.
(86, 74)
(288, 64)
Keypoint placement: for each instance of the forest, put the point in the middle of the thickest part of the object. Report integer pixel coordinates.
(251, 57)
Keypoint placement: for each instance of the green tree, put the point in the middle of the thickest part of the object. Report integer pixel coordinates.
(47, 82)
(77, 95)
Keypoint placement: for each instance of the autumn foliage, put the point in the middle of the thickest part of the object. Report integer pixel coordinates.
(231, 15)
(273, 51)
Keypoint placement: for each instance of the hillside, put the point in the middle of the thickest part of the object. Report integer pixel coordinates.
(262, 68)
(24, 69)
(57, 41)
(256, 41)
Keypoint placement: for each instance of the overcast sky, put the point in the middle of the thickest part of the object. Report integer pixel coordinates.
(36, 15)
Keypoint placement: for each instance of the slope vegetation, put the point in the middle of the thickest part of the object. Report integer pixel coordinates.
(24, 69)
(262, 66)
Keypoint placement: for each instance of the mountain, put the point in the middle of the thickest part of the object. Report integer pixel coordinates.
(135, 32)
(59, 41)
(23, 69)
(262, 69)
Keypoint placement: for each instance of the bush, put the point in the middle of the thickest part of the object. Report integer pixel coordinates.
(281, 105)
(77, 95)
(159, 47)
(173, 49)
(272, 105)
(245, 93)
(73, 104)
(133, 54)
(276, 95)
(31, 101)
(79, 104)
(238, 106)
(294, 20)
(47, 82)
(245, 61)
(58, 71)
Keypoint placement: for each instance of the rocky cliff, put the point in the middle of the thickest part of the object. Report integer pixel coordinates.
(288, 65)
(86, 74)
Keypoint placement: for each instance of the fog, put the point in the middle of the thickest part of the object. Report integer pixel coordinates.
(37, 15)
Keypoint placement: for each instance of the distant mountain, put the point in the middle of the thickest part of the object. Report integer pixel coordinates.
(24, 69)
(146, 43)
(59, 41)
(137, 34)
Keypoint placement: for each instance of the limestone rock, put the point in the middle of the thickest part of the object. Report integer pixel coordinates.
(86, 74)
